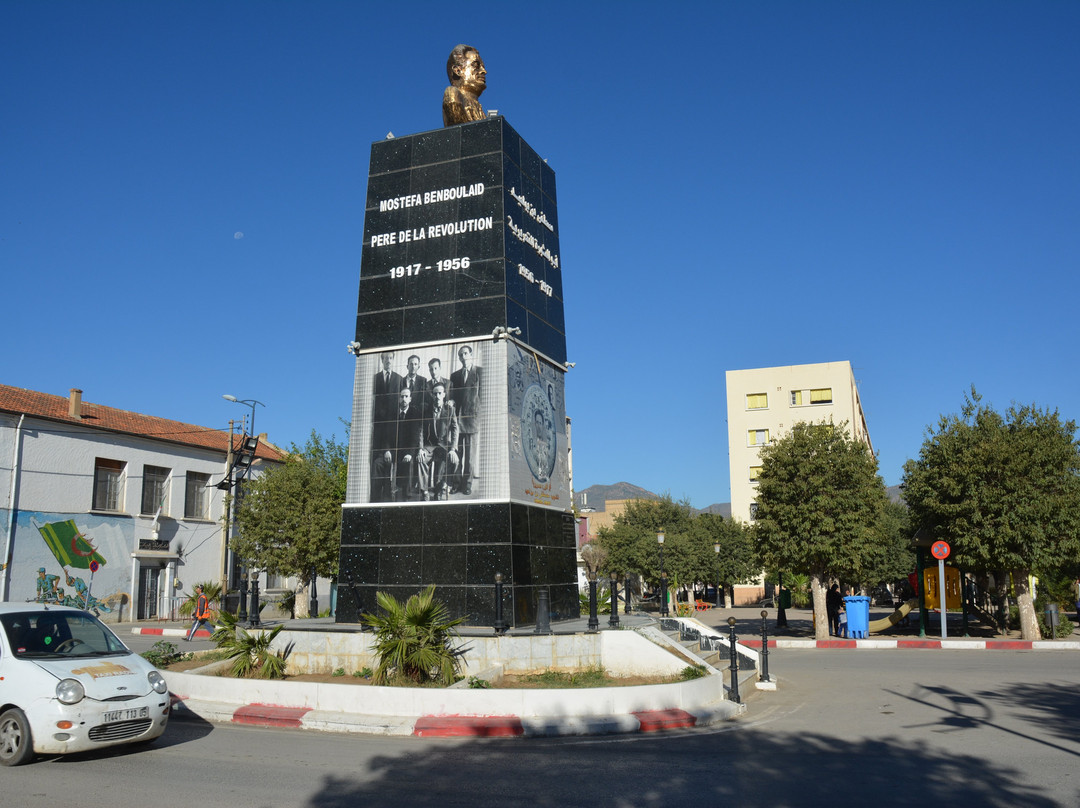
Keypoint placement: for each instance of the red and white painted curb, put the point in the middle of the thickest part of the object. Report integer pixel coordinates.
(959, 644)
(201, 634)
(455, 726)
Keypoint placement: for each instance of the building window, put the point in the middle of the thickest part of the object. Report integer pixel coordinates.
(753, 511)
(155, 490)
(757, 401)
(108, 485)
(755, 472)
(757, 437)
(275, 581)
(197, 502)
(823, 395)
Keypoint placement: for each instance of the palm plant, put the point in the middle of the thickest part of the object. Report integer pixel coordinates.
(251, 654)
(413, 640)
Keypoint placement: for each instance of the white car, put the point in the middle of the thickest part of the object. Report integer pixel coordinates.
(67, 684)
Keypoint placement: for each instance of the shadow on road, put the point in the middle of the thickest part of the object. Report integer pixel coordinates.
(737, 767)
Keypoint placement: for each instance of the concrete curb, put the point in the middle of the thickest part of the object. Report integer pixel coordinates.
(959, 644)
(345, 708)
(452, 726)
(201, 634)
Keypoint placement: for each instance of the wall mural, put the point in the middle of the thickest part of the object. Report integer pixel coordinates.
(65, 566)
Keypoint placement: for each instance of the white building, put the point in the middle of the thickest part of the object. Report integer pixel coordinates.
(107, 508)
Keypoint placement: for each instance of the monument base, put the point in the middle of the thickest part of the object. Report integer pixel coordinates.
(459, 547)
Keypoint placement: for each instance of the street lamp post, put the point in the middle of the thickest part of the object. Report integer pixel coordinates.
(613, 621)
(716, 549)
(663, 576)
(250, 402)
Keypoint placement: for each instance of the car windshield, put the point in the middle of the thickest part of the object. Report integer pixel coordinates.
(45, 634)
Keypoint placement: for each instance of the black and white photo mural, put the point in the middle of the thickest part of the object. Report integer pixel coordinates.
(477, 420)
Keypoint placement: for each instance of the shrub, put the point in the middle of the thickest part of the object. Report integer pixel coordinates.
(476, 683)
(251, 654)
(692, 672)
(413, 640)
(164, 654)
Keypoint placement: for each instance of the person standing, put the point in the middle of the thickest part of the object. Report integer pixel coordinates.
(465, 393)
(833, 603)
(202, 614)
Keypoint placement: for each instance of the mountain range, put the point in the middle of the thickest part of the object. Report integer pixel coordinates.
(596, 495)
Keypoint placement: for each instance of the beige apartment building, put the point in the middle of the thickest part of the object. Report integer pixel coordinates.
(764, 403)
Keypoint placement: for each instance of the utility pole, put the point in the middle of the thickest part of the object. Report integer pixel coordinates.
(228, 524)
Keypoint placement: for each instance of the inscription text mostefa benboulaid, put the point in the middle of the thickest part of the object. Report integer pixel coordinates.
(468, 79)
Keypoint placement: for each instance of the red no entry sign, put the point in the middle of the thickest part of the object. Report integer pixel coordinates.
(940, 550)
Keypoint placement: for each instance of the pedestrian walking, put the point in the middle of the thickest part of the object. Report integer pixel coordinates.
(834, 604)
(202, 614)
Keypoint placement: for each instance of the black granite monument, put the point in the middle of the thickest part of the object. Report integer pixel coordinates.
(458, 461)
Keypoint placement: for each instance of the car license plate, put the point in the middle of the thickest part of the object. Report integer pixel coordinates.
(126, 715)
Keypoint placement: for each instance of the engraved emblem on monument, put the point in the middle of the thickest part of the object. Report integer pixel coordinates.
(538, 426)
(468, 79)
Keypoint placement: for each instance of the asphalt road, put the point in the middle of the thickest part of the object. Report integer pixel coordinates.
(872, 728)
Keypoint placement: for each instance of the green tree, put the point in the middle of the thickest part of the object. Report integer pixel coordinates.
(632, 546)
(735, 562)
(1003, 491)
(289, 518)
(820, 502)
(895, 558)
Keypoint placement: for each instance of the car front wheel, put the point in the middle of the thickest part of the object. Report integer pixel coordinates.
(16, 745)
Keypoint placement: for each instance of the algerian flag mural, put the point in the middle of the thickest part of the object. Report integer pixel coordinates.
(71, 548)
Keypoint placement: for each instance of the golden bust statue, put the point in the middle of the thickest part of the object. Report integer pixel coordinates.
(468, 78)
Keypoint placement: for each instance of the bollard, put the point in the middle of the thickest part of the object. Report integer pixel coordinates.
(543, 612)
(734, 662)
(764, 648)
(594, 623)
(613, 621)
(500, 624)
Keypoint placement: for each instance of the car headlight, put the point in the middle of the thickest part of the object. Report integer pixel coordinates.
(70, 691)
(157, 681)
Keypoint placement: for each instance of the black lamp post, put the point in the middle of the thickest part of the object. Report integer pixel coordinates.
(734, 667)
(716, 549)
(613, 621)
(594, 623)
(764, 647)
(500, 624)
(626, 593)
(253, 608)
(781, 612)
(663, 576)
(313, 601)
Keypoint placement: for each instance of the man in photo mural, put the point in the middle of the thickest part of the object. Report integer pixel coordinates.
(437, 458)
(393, 475)
(387, 385)
(465, 393)
(435, 377)
(416, 384)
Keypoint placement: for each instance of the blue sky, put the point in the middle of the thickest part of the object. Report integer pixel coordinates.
(740, 185)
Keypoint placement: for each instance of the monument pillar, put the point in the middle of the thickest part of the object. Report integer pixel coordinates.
(458, 463)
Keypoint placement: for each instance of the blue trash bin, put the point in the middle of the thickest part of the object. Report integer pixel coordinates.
(858, 616)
